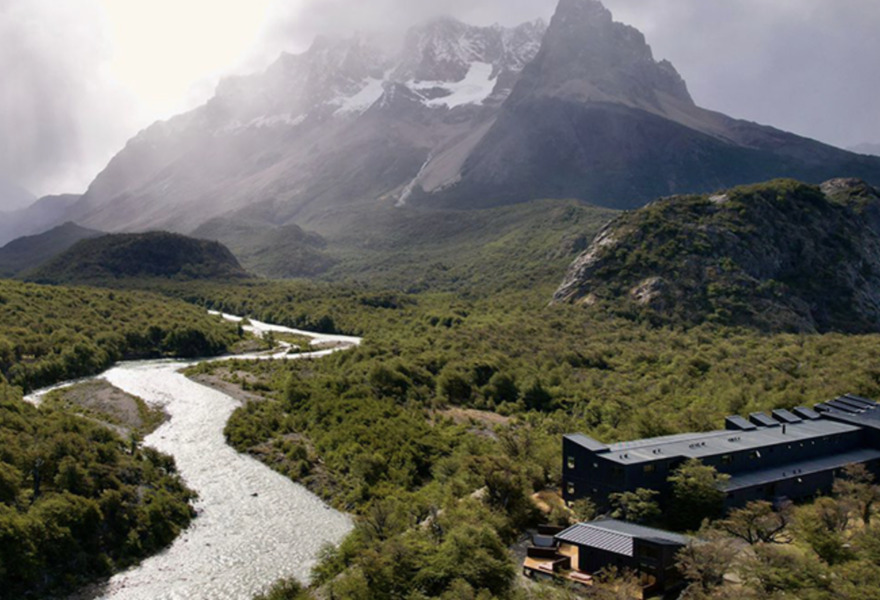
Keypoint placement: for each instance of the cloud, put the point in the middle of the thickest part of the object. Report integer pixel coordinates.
(807, 66)
(56, 107)
(292, 26)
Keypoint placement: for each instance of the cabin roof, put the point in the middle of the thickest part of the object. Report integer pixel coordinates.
(616, 536)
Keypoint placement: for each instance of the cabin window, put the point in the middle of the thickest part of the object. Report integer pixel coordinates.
(650, 469)
(617, 472)
(570, 462)
(755, 454)
(726, 459)
(570, 488)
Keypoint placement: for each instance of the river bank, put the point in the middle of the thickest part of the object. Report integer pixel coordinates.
(254, 526)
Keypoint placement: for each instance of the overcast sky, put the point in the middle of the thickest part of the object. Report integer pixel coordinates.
(80, 77)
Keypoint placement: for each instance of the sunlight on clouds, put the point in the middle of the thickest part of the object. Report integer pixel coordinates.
(161, 47)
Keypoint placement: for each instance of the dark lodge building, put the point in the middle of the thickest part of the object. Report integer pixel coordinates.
(574, 553)
(789, 455)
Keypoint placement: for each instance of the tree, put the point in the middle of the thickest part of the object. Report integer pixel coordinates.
(783, 571)
(536, 397)
(639, 506)
(502, 388)
(454, 387)
(822, 525)
(856, 490)
(10, 482)
(696, 494)
(706, 561)
(758, 522)
(584, 509)
(286, 589)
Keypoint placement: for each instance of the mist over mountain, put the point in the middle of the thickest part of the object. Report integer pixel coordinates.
(458, 117)
(13, 197)
(873, 149)
(28, 252)
(38, 217)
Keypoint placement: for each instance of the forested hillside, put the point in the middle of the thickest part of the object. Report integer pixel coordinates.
(154, 254)
(778, 256)
(76, 501)
(52, 334)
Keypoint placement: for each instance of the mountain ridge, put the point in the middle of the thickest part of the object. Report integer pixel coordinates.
(28, 252)
(462, 117)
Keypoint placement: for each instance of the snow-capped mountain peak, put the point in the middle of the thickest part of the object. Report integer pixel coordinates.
(445, 64)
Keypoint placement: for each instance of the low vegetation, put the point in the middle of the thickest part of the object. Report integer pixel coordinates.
(777, 256)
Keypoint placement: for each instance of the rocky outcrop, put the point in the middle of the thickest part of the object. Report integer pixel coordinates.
(780, 256)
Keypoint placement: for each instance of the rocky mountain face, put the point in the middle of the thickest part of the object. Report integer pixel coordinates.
(345, 122)
(459, 117)
(780, 256)
(595, 117)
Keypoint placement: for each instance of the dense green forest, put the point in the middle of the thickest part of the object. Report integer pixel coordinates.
(51, 334)
(77, 502)
(442, 425)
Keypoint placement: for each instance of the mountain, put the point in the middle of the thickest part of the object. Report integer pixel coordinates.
(277, 252)
(873, 149)
(30, 251)
(779, 256)
(458, 117)
(154, 254)
(13, 197)
(346, 122)
(42, 215)
(594, 116)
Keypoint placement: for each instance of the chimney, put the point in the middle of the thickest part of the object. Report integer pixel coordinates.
(784, 427)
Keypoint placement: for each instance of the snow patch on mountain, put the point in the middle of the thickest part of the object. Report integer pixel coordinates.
(475, 88)
(277, 120)
(362, 100)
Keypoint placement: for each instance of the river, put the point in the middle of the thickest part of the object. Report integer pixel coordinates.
(253, 527)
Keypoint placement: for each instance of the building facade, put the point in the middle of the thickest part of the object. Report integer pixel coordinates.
(585, 549)
(784, 455)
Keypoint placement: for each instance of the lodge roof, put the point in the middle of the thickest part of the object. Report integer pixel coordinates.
(616, 536)
(714, 443)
